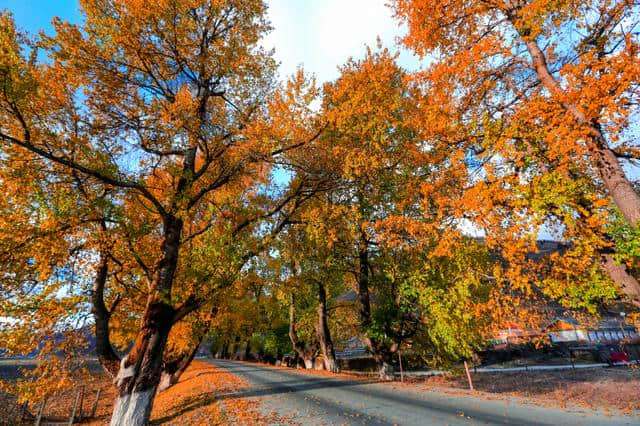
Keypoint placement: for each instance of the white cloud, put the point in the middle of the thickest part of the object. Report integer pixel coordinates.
(321, 35)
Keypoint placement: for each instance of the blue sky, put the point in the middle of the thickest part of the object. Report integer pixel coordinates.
(318, 34)
(34, 15)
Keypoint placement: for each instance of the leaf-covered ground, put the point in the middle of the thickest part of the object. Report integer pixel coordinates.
(196, 400)
(207, 394)
(204, 395)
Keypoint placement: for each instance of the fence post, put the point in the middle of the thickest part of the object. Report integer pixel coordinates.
(75, 407)
(573, 366)
(40, 412)
(25, 408)
(81, 402)
(95, 404)
(466, 368)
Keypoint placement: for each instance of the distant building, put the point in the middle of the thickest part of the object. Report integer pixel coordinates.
(567, 329)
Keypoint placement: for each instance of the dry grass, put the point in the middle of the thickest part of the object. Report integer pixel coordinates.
(10, 412)
(604, 388)
(59, 406)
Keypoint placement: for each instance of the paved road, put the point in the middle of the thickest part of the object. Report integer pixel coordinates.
(314, 400)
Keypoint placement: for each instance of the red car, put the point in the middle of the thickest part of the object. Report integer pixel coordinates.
(618, 357)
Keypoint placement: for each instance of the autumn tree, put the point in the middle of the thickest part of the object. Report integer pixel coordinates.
(53, 233)
(166, 104)
(370, 144)
(254, 315)
(533, 101)
(310, 276)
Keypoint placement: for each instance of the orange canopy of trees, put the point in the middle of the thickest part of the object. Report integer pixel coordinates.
(138, 166)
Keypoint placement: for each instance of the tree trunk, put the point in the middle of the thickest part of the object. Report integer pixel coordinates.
(363, 281)
(107, 357)
(307, 354)
(234, 348)
(620, 189)
(331, 364)
(386, 370)
(363, 294)
(247, 350)
(619, 274)
(380, 353)
(225, 349)
(140, 371)
(173, 370)
(324, 333)
(606, 162)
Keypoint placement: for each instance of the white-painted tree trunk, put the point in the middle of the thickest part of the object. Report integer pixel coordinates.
(167, 380)
(330, 365)
(132, 409)
(308, 363)
(386, 371)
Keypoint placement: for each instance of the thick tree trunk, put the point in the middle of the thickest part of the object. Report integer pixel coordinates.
(380, 353)
(167, 380)
(620, 189)
(307, 354)
(620, 275)
(247, 350)
(224, 354)
(234, 348)
(606, 162)
(386, 371)
(331, 364)
(140, 371)
(324, 333)
(363, 281)
(261, 354)
(107, 357)
(172, 371)
(133, 408)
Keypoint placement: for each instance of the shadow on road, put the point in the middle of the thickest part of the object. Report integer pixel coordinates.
(370, 390)
(298, 383)
(344, 400)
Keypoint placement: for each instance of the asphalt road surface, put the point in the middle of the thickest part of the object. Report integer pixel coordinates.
(318, 400)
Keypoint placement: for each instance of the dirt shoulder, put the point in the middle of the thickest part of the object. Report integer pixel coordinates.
(599, 388)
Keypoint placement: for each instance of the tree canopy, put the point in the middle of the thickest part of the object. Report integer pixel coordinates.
(164, 187)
